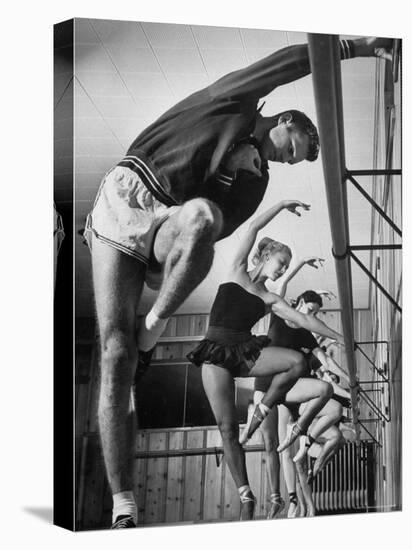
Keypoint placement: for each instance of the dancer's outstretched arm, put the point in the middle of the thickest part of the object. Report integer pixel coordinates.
(292, 272)
(283, 310)
(329, 364)
(247, 242)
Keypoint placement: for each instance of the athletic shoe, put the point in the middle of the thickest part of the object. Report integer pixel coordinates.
(123, 522)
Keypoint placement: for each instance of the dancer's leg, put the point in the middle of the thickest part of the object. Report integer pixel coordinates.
(326, 417)
(335, 441)
(220, 390)
(269, 430)
(302, 471)
(288, 365)
(316, 393)
(288, 467)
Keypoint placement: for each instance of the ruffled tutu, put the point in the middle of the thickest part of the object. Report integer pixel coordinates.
(236, 356)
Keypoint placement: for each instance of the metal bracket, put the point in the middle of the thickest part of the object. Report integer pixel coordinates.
(369, 274)
(349, 176)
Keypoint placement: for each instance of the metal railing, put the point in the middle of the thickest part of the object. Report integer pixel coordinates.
(324, 57)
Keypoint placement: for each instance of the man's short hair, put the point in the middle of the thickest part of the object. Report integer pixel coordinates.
(304, 124)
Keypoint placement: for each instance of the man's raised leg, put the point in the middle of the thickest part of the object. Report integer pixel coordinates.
(184, 246)
(118, 281)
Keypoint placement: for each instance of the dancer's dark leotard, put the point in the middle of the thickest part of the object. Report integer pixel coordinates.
(229, 342)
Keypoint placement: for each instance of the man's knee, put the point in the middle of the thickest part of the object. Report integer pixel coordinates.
(201, 217)
(118, 358)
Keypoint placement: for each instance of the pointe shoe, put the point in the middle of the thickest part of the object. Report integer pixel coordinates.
(303, 450)
(247, 508)
(293, 510)
(255, 422)
(292, 433)
(243, 436)
(310, 512)
(302, 511)
(276, 507)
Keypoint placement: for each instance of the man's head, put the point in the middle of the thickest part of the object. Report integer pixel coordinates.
(290, 137)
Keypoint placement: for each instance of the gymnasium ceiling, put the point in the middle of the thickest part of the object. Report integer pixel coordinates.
(128, 73)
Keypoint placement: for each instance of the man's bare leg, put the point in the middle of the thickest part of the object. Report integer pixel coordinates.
(184, 246)
(118, 281)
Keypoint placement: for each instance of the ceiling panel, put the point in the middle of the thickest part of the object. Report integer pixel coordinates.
(84, 32)
(218, 65)
(130, 34)
(217, 37)
(179, 60)
(146, 84)
(92, 57)
(169, 36)
(260, 38)
(102, 83)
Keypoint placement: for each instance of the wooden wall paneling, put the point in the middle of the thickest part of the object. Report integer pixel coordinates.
(193, 482)
(183, 325)
(213, 480)
(140, 475)
(254, 469)
(156, 479)
(174, 490)
(94, 485)
(230, 495)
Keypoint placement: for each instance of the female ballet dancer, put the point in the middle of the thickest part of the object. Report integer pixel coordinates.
(229, 350)
(290, 336)
(286, 335)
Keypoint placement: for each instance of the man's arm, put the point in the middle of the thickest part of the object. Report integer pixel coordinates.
(287, 65)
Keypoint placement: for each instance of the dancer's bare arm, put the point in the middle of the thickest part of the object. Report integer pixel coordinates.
(282, 286)
(283, 310)
(247, 242)
(329, 364)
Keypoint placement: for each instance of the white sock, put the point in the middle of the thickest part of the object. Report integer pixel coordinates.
(150, 330)
(124, 504)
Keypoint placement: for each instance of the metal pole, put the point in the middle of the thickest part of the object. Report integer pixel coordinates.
(383, 172)
(324, 58)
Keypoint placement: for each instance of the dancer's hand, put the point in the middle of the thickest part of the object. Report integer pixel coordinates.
(374, 47)
(244, 156)
(338, 342)
(293, 205)
(311, 260)
(326, 294)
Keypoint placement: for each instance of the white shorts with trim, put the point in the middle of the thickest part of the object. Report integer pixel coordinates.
(126, 215)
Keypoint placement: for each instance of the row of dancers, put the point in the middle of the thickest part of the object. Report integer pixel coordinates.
(296, 391)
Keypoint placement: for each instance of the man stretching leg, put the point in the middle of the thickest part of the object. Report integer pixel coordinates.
(189, 179)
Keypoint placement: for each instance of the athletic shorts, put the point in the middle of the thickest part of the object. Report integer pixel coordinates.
(126, 216)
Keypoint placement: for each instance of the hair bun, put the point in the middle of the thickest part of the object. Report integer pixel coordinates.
(262, 244)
